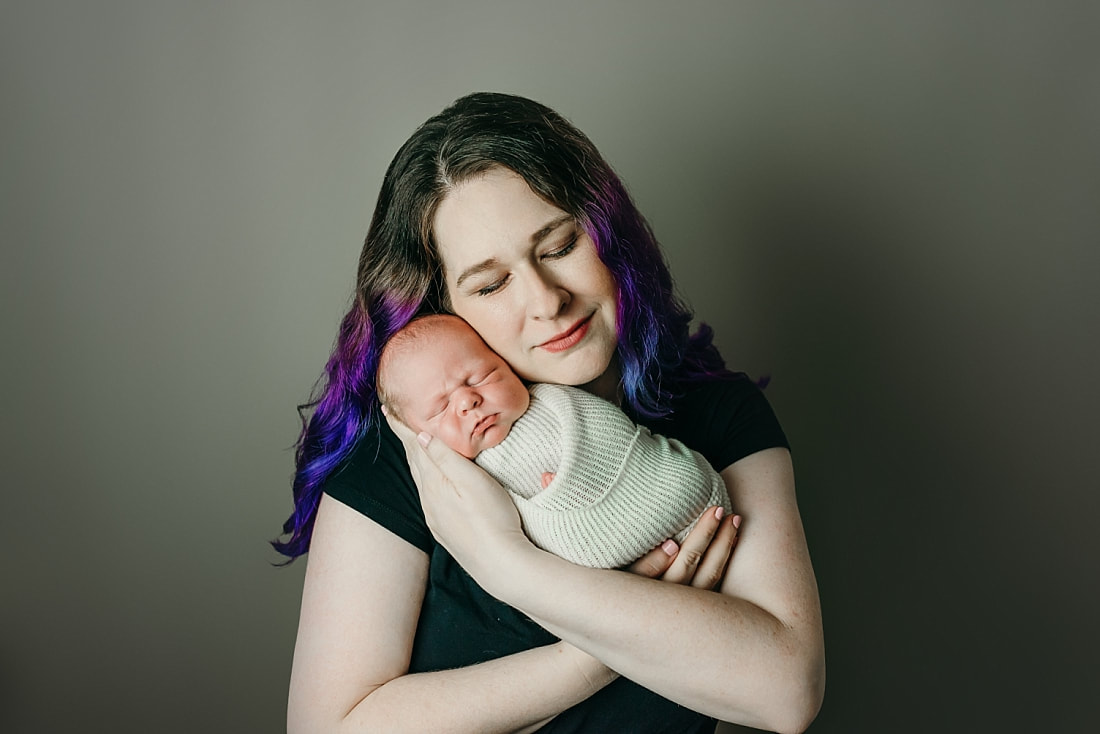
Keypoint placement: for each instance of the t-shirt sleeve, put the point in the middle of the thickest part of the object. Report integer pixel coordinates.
(375, 481)
(724, 420)
(745, 423)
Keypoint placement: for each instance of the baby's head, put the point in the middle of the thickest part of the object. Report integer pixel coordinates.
(437, 375)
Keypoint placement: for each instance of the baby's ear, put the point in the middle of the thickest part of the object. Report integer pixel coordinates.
(384, 411)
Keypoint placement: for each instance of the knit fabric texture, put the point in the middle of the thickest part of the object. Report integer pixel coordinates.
(618, 490)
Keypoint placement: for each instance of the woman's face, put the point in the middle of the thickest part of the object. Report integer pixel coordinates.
(527, 277)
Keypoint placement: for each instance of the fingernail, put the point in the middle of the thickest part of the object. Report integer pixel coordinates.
(670, 547)
(718, 512)
(423, 438)
(736, 521)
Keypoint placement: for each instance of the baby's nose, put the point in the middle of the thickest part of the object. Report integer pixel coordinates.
(468, 400)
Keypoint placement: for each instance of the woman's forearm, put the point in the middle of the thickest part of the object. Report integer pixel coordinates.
(515, 693)
(713, 653)
(752, 654)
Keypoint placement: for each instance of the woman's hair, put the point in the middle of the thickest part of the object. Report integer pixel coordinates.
(400, 275)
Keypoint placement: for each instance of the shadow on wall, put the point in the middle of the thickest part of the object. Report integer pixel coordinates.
(817, 261)
(919, 439)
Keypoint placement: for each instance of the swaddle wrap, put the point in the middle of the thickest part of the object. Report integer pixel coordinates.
(618, 491)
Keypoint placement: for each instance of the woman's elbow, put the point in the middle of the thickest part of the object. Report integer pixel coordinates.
(312, 722)
(304, 720)
(310, 716)
(805, 696)
(297, 723)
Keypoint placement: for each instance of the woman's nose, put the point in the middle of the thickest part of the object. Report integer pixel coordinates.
(546, 298)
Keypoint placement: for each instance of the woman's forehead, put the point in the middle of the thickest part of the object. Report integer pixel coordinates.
(491, 216)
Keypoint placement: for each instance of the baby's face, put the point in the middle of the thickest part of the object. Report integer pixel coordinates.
(457, 389)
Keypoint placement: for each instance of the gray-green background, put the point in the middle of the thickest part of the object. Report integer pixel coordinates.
(892, 208)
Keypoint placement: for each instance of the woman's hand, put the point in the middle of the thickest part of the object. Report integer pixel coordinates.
(467, 510)
(702, 560)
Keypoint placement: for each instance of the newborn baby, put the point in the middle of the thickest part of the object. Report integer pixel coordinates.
(589, 484)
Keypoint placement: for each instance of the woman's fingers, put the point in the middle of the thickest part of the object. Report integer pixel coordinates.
(460, 471)
(695, 547)
(448, 461)
(403, 432)
(712, 567)
(408, 440)
(702, 560)
(656, 562)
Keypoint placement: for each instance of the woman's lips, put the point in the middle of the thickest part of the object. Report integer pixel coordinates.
(569, 338)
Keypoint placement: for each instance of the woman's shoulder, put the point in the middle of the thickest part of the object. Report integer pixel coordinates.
(724, 418)
(375, 481)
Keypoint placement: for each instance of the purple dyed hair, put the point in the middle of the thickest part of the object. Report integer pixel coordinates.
(400, 275)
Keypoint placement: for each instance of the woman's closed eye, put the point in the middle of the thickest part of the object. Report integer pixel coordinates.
(564, 250)
(557, 254)
(493, 287)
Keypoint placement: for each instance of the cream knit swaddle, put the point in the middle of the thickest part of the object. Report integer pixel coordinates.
(618, 490)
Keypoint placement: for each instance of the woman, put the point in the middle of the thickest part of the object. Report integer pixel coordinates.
(500, 211)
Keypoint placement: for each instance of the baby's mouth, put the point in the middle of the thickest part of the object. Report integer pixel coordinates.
(483, 425)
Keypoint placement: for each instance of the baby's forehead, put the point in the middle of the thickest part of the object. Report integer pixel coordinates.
(420, 343)
(436, 335)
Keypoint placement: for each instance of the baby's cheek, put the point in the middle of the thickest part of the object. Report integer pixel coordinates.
(456, 441)
(494, 436)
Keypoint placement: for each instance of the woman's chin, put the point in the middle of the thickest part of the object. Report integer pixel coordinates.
(582, 368)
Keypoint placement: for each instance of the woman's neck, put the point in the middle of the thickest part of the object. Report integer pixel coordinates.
(608, 385)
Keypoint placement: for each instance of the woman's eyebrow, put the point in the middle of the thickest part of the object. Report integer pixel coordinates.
(492, 262)
(475, 269)
(542, 234)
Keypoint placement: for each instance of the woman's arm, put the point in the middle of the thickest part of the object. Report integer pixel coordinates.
(360, 604)
(752, 654)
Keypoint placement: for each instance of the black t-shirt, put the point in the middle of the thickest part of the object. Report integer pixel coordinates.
(460, 624)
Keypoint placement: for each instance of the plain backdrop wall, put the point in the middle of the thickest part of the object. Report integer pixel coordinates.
(891, 208)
